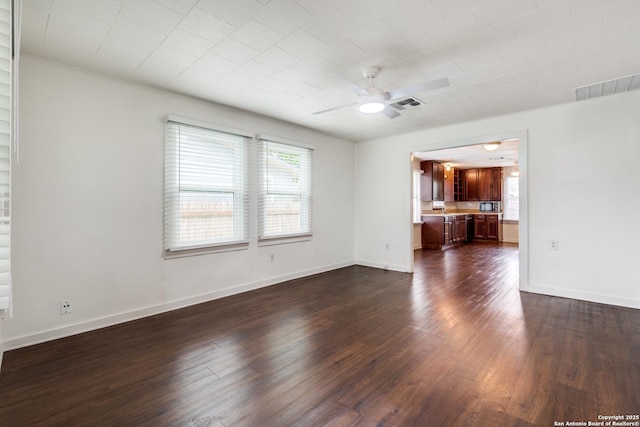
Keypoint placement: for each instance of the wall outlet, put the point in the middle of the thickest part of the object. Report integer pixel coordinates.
(553, 245)
(65, 306)
(272, 257)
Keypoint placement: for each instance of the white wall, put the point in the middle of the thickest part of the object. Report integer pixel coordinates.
(87, 207)
(582, 158)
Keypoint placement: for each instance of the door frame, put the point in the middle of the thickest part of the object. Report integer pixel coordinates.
(523, 218)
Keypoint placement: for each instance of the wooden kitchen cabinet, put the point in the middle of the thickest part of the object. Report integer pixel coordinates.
(471, 178)
(432, 181)
(440, 232)
(484, 184)
(458, 185)
(492, 227)
(496, 184)
(479, 227)
(486, 227)
(449, 185)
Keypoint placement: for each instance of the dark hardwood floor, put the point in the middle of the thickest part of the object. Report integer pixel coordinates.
(453, 344)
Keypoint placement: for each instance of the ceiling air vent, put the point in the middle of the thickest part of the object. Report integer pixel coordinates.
(405, 103)
(623, 84)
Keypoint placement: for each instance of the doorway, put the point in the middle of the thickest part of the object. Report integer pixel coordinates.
(519, 161)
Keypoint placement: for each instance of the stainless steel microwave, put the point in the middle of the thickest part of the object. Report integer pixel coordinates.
(488, 206)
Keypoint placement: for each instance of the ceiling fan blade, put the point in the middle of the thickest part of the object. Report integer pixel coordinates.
(422, 87)
(351, 85)
(390, 112)
(340, 107)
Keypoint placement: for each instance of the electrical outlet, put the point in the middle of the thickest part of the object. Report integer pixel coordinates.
(553, 245)
(272, 257)
(65, 306)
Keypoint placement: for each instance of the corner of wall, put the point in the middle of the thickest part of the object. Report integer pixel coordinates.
(1, 345)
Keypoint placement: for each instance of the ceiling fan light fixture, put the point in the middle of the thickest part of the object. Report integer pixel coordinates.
(491, 146)
(371, 107)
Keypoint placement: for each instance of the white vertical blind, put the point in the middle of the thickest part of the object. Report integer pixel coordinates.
(417, 193)
(5, 153)
(206, 187)
(284, 195)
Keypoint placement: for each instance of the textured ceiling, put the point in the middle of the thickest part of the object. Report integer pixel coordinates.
(280, 58)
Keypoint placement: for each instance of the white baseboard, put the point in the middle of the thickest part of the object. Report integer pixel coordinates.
(510, 240)
(104, 322)
(581, 295)
(381, 266)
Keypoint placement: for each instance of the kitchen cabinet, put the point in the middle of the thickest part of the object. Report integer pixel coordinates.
(471, 177)
(449, 185)
(458, 185)
(460, 228)
(441, 232)
(486, 226)
(479, 227)
(432, 181)
(496, 184)
(484, 184)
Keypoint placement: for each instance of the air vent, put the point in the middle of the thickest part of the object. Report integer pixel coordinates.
(405, 103)
(623, 84)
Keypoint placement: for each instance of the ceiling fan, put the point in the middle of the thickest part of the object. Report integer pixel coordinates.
(375, 100)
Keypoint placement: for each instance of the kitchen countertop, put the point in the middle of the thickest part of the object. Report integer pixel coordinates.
(457, 213)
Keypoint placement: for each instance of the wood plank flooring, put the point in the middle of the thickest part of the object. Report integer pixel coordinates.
(454, 344)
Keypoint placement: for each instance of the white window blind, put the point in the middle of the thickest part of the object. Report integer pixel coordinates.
(512, 198)
(206, 187)
(5, 152)
(284, 195)
(417, 199)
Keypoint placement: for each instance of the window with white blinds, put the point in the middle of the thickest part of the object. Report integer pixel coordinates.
(284, 189)
(206, 187)
(5, 152)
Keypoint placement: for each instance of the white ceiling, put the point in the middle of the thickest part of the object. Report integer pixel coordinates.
(475, 156)
(280, 57)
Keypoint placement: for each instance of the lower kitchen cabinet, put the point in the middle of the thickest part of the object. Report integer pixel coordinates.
(486, 227)
(443, 231)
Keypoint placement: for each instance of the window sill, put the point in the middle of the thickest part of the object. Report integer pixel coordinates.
(284, 240)
(205, 250)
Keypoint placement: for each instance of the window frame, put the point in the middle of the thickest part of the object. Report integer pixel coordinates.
(417, 196)
(507, 214)
(305, 191)
(173, 190)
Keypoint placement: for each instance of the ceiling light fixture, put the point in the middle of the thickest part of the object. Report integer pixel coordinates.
(371, 107)
(491, 146)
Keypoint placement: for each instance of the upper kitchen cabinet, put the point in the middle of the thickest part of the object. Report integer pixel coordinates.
(483, 184)
(471, 180)
(496, 184)
(432, 181)
(449, 185)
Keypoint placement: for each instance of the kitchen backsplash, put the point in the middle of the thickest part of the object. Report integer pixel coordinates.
(453, 206)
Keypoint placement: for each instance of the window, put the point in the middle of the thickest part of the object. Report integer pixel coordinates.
(417, 202)
(511, 204)
(206, 186)
(5, 152)
(284, 195)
